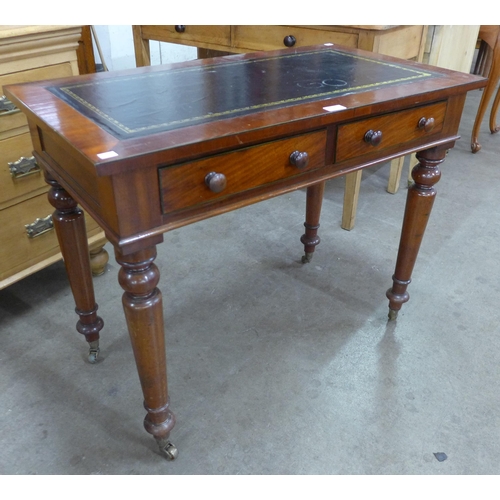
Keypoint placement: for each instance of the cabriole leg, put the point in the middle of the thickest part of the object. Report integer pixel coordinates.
(419, 203)
(142, 303)
(69, 223)
(494, 76)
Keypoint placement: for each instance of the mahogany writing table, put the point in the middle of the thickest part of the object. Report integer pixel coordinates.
(151, 149)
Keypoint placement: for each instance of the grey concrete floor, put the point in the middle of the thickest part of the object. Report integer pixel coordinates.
(276, 367)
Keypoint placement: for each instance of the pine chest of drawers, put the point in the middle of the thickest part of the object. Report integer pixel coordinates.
(29, 243)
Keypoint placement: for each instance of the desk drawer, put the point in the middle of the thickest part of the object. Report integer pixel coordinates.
(219, 35)
(185, 185)
(272, 37)
(353, 139)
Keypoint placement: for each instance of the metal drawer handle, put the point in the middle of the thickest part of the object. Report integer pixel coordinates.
(39, 227)
(216, 182)
(426, 124)
(373, 137)
(7, 107)
(23, 167)
(180, 28)
(299, 159)
(289, 41)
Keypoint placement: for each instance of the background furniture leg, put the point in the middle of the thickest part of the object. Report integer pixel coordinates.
(69, 223)
(351, 195)
(418, 209)
(395, 175)
(490, 35)
(493, 115)
(413, 164)
(141, 47)
(98, 259)
(142, 303)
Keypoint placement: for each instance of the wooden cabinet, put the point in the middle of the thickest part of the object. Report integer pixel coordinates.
(29, 243)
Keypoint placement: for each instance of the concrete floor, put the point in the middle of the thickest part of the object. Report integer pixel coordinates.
(277, 367)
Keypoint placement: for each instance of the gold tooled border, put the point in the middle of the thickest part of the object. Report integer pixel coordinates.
(415, 74)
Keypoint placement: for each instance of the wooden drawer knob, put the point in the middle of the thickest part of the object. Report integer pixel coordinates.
(426, 124)
(289, 41)
(216, 182)
(373, 137)
(299, 159)
(180, 29)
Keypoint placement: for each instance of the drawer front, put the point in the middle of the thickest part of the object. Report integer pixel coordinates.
(220, 35)
(273, 37)
(33, 75)
(185, 185)
(13, 187)
(12, 119)
(18, 251)
(353, 139)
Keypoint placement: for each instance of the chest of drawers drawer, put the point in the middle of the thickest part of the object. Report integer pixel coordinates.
(12, 120)
(18, 250)
(49, 71)
(381, 132)
(25, 180)
(193, 183)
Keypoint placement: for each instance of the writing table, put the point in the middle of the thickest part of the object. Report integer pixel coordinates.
(151, 149)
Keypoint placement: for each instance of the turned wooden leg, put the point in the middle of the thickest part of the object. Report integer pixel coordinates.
(142, 303)
(314, 201)
(69, 223)
(419, 203)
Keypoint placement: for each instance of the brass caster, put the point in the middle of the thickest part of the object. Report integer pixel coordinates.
(93, 352)
(475, 147)
(307, 257)
(393, 315)
(168, 450)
